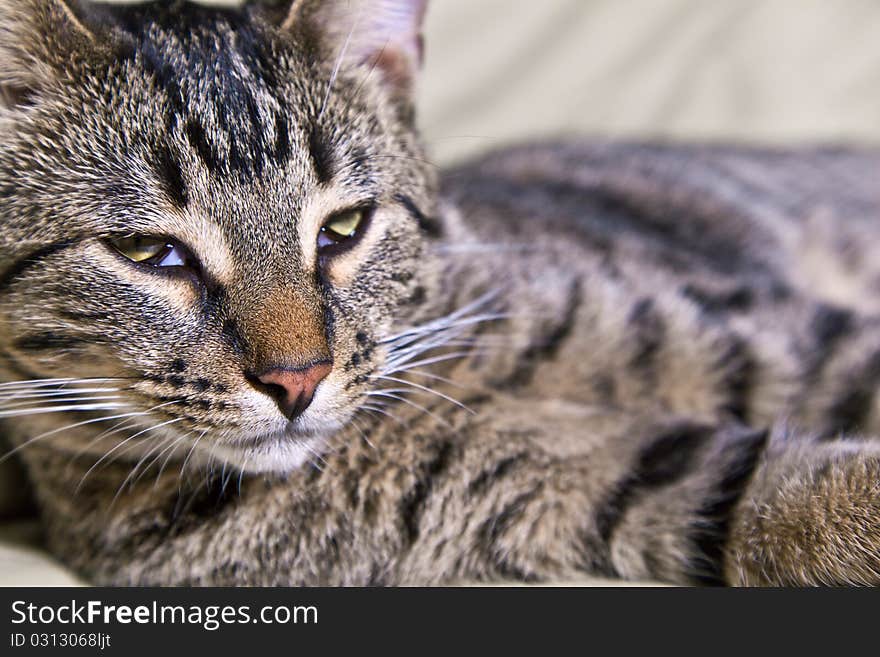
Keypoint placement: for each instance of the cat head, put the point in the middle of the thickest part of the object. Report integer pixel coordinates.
(211, 218)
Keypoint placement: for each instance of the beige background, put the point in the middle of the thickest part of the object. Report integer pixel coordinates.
(504, 70)
(761, 70)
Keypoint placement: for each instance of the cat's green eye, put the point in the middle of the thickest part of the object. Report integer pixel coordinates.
(341, 228)
(155, 251)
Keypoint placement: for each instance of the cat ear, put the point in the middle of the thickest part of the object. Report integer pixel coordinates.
(38, 39)
(382, 34)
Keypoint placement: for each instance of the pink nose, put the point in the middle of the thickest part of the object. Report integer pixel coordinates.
(293, 388)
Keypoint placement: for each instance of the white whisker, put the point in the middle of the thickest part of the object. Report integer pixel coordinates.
(4, 397)
(247, 459)
(429, 361)
(316, 454)
(167, 445)
(41, 383)
(436, 326)
(117, 446)
(437, 377)
(340, 58)
(431, 391)
(62, 409)
(382, 393)
(30, 441)
(357, 426)
(67, 400)
(157, 448)
(459, 313)
(188, 456)
(138, 465)
(370, 408)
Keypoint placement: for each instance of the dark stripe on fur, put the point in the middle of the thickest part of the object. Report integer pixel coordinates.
(606, 216)
(191, 50)
(490, 476)
(192, 507)
(49, 341)
(170, 176)
(247, 148)
(429, 225)
(413, 503)
(648, 332)
(195, 133)
(18, 267)
(664, 461)
(164, 76)
(234, 337)
(282, 138)
(81, 315)
(550, 345)
(495, 527)
(829, 325)
(713, 528)
(739, 368)
(15, 96)
(853, 405)
(322, 157)
(378, 577)
(720, 301)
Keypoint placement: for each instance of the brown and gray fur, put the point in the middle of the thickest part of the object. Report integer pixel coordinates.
(636, 360)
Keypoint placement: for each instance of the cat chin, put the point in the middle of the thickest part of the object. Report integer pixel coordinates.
(273, 455)
(277, 447)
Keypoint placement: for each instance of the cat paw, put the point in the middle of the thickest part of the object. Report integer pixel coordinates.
(816, 524)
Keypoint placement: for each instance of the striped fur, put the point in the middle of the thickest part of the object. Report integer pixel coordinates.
(637, 360)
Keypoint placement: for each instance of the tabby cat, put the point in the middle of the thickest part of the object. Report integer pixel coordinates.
(251, 335)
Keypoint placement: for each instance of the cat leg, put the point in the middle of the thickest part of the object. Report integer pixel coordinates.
(641, 500)
(675, 501)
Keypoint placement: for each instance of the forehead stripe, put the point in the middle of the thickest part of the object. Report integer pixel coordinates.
(322, 156)
(170, 175)
(199, 141)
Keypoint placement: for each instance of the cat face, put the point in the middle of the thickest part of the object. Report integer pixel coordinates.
(211, 219)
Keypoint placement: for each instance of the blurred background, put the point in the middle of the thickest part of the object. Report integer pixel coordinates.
(500, 71)
(755, 70)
